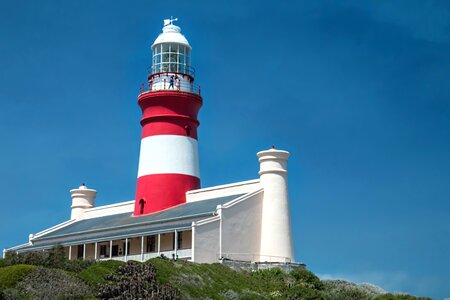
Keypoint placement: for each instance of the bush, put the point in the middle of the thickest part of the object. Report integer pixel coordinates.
(136, 281)
(274, 274)
(307, 279)
(299, 292)
(96, 273)
(53, 258)
(11, 275)
(400, 297)
(46, 283)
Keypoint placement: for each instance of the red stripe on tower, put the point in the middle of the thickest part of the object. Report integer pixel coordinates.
(168, 162)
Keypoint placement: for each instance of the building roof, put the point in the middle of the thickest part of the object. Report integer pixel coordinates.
(171, 34)
(126, 225)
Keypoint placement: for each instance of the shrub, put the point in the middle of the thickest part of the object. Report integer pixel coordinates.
(136, 281)
(299, 292)
(13, 294)
(274, 274)
(307, 279)
(96, 273)
(11, 275)
(45, 283)
(400, 297)
(53, 258)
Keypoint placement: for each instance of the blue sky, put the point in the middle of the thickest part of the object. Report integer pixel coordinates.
(357, 91)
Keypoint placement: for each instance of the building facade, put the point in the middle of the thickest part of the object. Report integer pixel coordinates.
(171, 215)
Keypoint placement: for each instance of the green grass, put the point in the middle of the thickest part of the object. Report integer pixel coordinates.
(96, 274)
(11, 275)
(200, 281)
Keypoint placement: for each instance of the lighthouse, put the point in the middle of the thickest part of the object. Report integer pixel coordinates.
(168, 161)
(171, 215)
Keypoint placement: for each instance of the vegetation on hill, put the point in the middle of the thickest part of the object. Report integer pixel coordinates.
(50, 275)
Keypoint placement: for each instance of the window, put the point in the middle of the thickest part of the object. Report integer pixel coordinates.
(151, 243)
(125, 246)
(103, 251)
(115, 250)
(141, 204)
(80, 251)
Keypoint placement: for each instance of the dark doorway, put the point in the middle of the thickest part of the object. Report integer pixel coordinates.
(80, 251)
(115, 250)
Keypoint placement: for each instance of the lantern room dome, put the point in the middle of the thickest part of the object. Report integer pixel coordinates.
(171, 34)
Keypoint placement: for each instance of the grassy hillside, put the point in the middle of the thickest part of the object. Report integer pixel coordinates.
(51, 276)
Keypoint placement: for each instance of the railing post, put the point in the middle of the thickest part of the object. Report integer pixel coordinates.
(164, 84)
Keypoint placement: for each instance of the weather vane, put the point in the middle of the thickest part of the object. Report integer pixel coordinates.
(169, 21)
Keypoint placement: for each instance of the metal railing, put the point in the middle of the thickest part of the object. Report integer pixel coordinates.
(165, 84)
(172, 68)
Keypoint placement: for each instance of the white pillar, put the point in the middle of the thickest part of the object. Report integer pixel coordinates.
(193, 242)
(142, 248)
(95, 255)
(110, 249)
(84, 251)
(176, 243)
(70, 252)
(276, 233)
(159, 244)
(126, 249)
(4, 253)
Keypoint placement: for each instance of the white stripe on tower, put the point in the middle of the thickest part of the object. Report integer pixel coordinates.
(169, 154)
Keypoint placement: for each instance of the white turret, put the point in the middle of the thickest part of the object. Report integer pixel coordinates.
(276, 234)
(82, 198)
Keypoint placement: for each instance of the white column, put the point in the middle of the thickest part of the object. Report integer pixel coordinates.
(176, 243)
(159, 244)
(70, 252)
(110, 249)
(95, 255)
(193, 242)
(142, 248)
(276, 234)
(84, 251)
(126, 249)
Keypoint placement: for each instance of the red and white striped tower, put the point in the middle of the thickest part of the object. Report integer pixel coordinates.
(168, 162)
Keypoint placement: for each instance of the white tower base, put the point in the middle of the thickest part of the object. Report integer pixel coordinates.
(276, 234)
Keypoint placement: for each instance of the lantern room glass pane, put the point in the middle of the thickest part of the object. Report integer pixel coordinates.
(173, 57)
(164, 67)
(181, 59)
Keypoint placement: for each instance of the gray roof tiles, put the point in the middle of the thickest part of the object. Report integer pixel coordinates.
(105, 227)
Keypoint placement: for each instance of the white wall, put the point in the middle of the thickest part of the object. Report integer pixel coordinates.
(206, 241)
(241, 228)
(236, 188)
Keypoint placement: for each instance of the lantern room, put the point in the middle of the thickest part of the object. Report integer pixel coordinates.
(171, 61)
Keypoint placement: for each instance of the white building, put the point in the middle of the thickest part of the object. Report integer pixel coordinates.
(171, 214)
